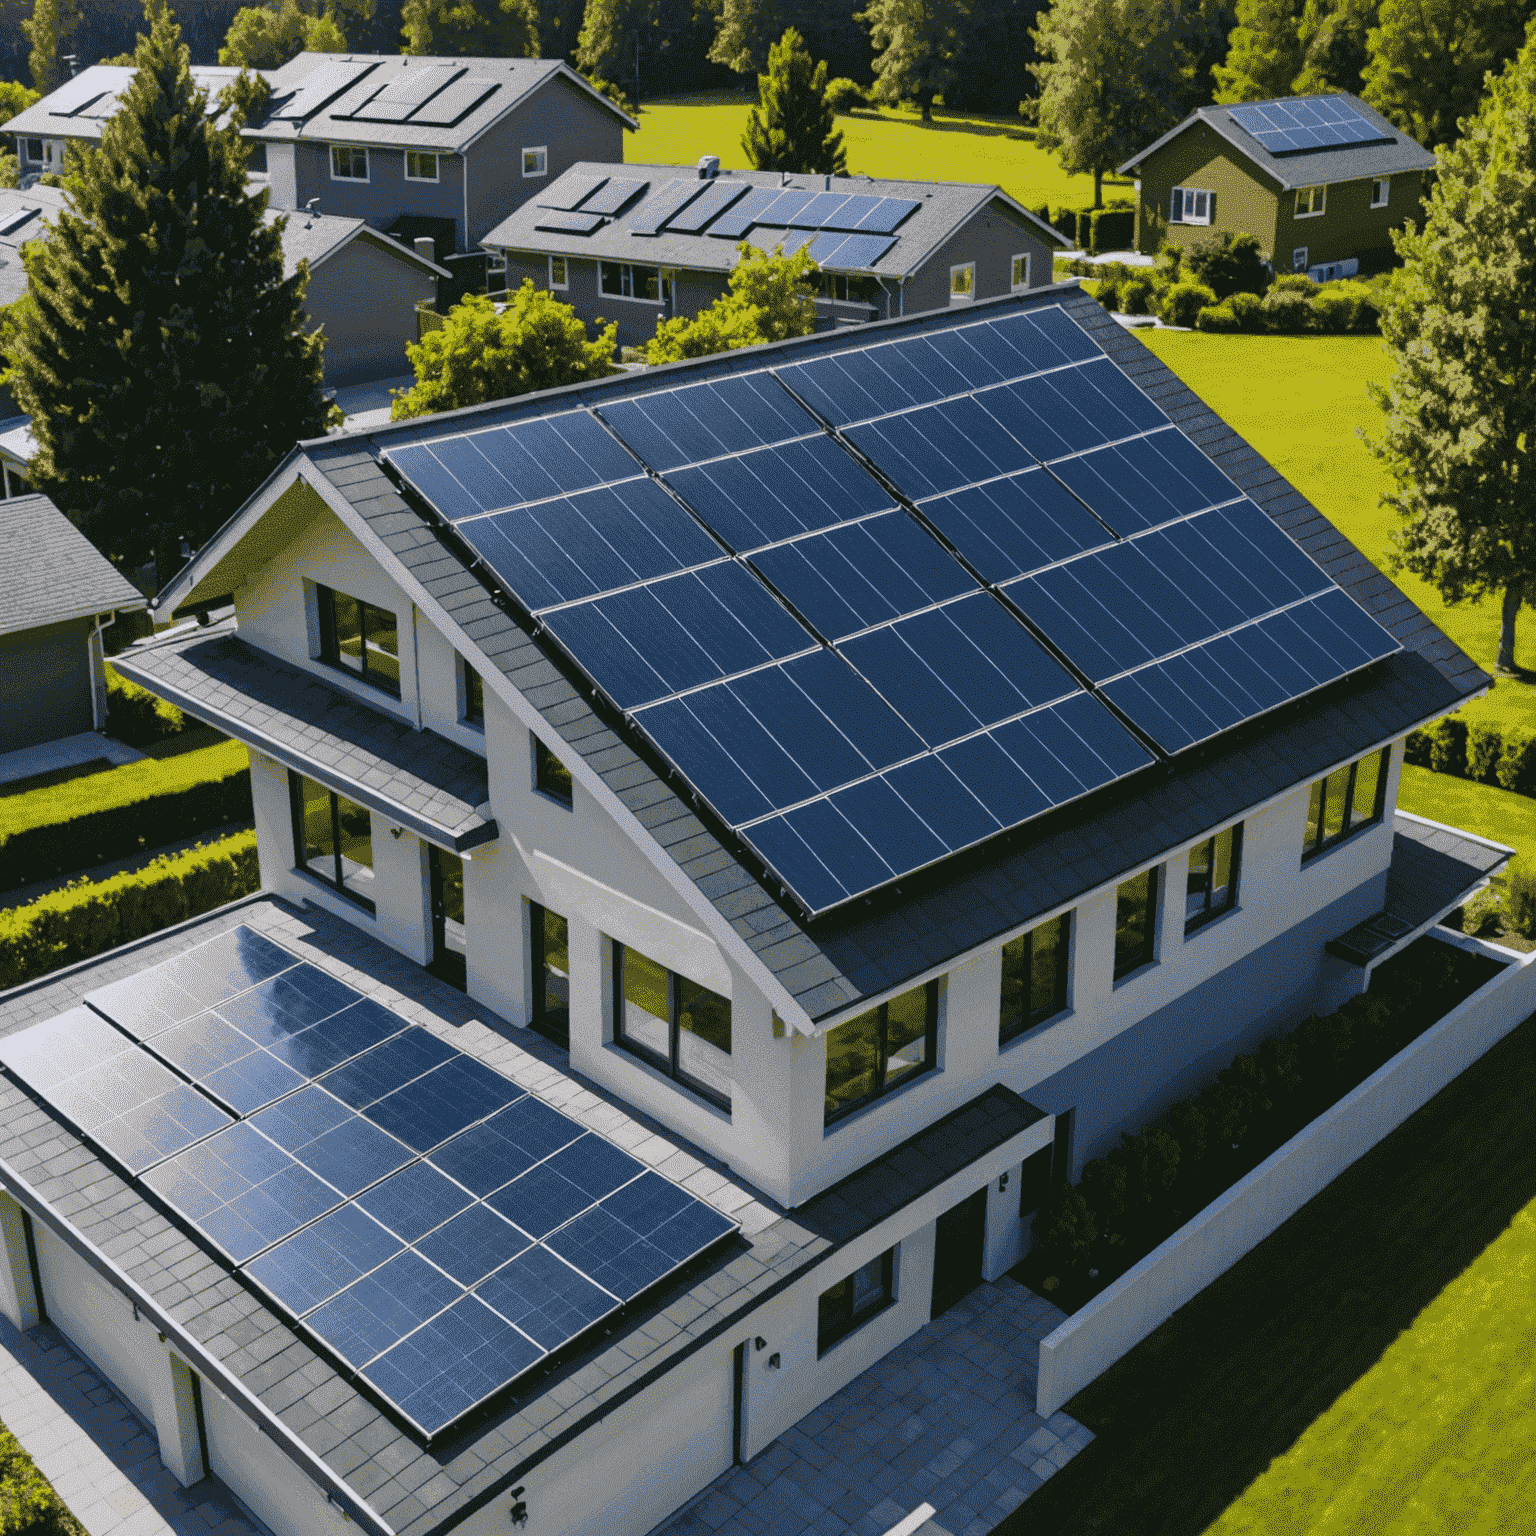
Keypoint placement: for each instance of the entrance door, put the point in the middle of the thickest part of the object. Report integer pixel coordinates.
(447, 918)
(957, 1253)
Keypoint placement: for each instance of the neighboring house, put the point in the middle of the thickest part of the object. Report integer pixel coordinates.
(1318, 180)
(638, 243)
(458, 143)
(882, 767)
(21, 220)
(57, 593)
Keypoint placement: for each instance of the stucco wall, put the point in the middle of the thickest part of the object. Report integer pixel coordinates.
(45, 684)
(366, 299)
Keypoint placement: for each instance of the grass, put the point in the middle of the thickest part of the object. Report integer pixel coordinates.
(891, 142)
(1302, 402)
(1365, 1369)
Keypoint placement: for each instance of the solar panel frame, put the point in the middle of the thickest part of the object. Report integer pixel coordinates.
(614, 196)
(453, 104)
(665, 200)
(570, 192)
(717, 197)
(1299, 127)
(577, 223)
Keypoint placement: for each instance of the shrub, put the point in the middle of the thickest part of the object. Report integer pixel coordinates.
(1135, 296)
(1448, 746)
(1170, 262)
(28, 1504)
(843, 95)
(92, 916)
(136, 716)
(1295, 282)
(1183, 301)
(1109, 229)
(1218, 319)
(1520, 903)
(1485, 746)
(1416, 749)
(1108, 293)
(1249, 309)
(1517, 765)
(1228, 264)
(1287, 312)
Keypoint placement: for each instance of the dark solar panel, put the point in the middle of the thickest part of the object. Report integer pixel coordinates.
(719, 196)
(669, 428)
(741, 216)
(570, 192)
(614, 196)
(888, 216)
(855, 252)
(394, 102)
(582, 223)
(1307, 124)
(321, 86)
(453, 104)
(667, 199)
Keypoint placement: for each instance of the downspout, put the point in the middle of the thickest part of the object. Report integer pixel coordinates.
(98, 658)
(416, 661)
(464, 161)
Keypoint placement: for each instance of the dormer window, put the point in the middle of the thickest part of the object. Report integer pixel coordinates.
(359, 638)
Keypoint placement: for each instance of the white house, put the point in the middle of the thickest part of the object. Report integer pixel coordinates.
(885, 765)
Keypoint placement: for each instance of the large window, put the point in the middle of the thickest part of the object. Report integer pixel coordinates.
(332, 839)
(550, 776)
(854, 1300)
(1310, 201)
(621, 280)
(1135, 922)
(1212, 887)
(551, 943)
(1034, 977)
(1191, 205)
(474, 696)
(420, 165)
(673, 1023)
(349, 162)
(1018, 273)
(1350, 797)
(881, 1049)
(360, 639)
(559, 274)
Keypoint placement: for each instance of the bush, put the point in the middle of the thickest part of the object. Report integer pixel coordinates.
(92, 916)
(1516, 768)
(1520, 903)
(1136, 296)
(136, 716)
(1249, 309)
(1485, 746)
(843, 95)
(1183, 301)
(1448, 746)
(1218, 319)
(1345, 308)
(1295, 282)
(1287, 312)
(1108, 293)
(28, 1504)
(1109, 229)
(1228, 264)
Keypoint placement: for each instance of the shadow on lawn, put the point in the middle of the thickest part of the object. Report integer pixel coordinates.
(1200, 1409)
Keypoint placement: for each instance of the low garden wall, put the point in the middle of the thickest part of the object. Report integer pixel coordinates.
(1145, 1296)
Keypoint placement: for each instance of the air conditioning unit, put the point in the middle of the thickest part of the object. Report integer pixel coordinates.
(1331, 271)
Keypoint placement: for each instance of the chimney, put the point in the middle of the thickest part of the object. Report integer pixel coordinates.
(709, 167)
(827, 183)
(426, 247)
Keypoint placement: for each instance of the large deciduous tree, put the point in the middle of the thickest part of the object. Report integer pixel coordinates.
(768, 298)
(1333, 37)
(792, 127)
(916, 43)
(1264, 53)
(165, 360)
(49, 29)
(471, 28)
(1460, 322)
(263, 37)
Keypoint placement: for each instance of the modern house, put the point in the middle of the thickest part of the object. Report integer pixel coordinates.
(60, 593)
(639, 243)
(851, 779)
(1318, 180)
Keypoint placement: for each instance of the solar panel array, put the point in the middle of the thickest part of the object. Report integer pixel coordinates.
(438, 1228)
(1308, 124)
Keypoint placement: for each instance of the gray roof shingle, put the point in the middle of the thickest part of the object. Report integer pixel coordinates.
(50, 572)
(78, 108)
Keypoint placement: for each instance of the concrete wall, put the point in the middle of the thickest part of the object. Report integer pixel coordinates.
(365, 298)
(45, 684)
(1121, 1316)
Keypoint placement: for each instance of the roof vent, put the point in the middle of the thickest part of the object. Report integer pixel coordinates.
(826, 183)
(709, 167)
(426, 247)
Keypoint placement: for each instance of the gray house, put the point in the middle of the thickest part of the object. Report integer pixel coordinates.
(639, 243)
(57, 592)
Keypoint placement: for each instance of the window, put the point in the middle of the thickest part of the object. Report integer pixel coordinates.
(1018, 278)
(1135, 922)
(1034, 977)
(848, 290)
(551, 944)
(881, 1049)
(1191, 205)
(673, 1023)
(474, 696)
(1212, 887)
(962, 283)
(852, 1302)
(35, 150)
(620, 280)
(332, 839)
(1299, 259)
(1310, 201)
(536, 162)
(349, 162)
(1381, 190)
(550, 775)
(558, 276)
(360, 639)
(420, 165)
(1350, 798)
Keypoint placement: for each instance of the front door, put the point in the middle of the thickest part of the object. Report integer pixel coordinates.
(448, 918)
(957, 1252)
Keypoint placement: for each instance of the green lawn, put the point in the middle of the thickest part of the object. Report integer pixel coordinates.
(1302, 402)
(1479, 808)
(677, 130)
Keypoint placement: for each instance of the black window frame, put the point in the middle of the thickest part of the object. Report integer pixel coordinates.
(296, 781)
(1349, 826)
(330, 651)
(833, 1327)
(882, 1086)
(673, 1068)
(1009, 1030)
(474, 697)
(541, 1020)
(1147, 955)
(1210, 912)
(551, 777)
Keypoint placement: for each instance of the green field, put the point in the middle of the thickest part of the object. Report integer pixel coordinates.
(677, 130)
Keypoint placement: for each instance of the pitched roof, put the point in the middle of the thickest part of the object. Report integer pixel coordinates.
(1395, 152)
(316, 237)
(21, 220)
(78, 108)
(939, 209)
(50, 571)
(432, 103)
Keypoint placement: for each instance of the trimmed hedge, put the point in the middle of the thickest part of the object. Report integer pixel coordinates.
(1092, 230)
(120, 812)
(1481, 753)
(93, 916)
(136, 716)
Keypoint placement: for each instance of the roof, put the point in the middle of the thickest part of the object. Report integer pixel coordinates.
(50, 572)
(1395, 153)
(420, 780)
(316, 237)
(443, 104)
(830, 965)
(941, 208)
(21, 220)
(78, 108)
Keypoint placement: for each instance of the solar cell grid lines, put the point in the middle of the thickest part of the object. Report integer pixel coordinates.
(1307, 125)
(664, 202)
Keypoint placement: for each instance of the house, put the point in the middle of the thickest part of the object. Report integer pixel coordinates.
(639, 243)
(21, 220)
(60, 593)
(852, 780)
(1317, 180)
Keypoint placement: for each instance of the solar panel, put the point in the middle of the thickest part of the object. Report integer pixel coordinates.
(888, 216)
(614, 196)
(568, 223)
(670, 198)
(13, 221)
(320, 87)
(570, 191)
(719, 196)
(1307, 124)
(669, 428)
(453, 104)
(78, 93)
(741, 216)
(396, 100)
(853, 252)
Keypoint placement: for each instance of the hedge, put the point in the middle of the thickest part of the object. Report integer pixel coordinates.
(1097, 229)
(119, 812)
(135, 715)
(28, 1504)
(92, 916)
(1481, 753)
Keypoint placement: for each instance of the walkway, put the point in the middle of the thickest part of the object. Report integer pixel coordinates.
(947, 1419)
(101, 1460)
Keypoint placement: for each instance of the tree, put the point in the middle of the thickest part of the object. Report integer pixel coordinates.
(1264, 53)
(261, 37)
(471, 28)
(794, 130)
(610, 38)
(915, 45)
(14, 98)
(481, 354)
(1333, 42)
(166, 362)
(49, 29)
(744, 34)
(768, 298)
(1428, 59)
(1460, 430)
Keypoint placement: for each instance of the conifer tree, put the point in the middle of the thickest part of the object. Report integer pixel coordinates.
(1264, 53)
(1333, 37)
(165, 360)
(792, 127)
(916, 43)
(49, 29)
(744, 32)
